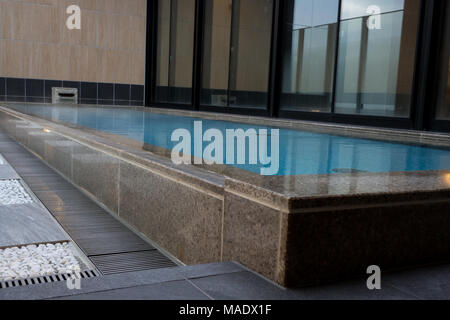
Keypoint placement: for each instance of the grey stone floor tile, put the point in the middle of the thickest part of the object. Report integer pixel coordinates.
(248, 286)
(354, 290)
(429, 283)
(8, 173)
(212, 269)
(177, 290)
(242, 286)
(92, 285)
(165, 284)
(28, 224)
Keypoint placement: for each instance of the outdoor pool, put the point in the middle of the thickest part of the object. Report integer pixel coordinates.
(300, 152)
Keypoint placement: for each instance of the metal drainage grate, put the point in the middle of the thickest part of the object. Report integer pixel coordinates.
(45, 279)
(131, 262)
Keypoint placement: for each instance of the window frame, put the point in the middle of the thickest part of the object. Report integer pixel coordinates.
(421, 114)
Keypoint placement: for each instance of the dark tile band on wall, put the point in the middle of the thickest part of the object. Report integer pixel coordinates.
(40, 91)
(122, 94)
(2, 89)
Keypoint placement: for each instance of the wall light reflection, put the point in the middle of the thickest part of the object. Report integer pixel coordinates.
(447, 178)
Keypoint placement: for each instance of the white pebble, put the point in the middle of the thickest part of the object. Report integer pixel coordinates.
(12, 193)
(34, 261)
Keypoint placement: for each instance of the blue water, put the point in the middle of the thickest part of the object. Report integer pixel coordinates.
(301, 152)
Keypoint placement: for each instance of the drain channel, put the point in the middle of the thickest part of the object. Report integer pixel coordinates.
(131, 262)
(46, 279)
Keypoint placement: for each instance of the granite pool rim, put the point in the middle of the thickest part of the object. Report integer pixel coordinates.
(270, 191)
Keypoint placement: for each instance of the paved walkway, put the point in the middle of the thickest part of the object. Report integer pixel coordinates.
(230, 281)
(23, 221)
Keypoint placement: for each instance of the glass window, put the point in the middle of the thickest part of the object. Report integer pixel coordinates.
(236, 57)
(376, 57)
(310, 28)
(175, 52)
(443, 111)
(216, 54)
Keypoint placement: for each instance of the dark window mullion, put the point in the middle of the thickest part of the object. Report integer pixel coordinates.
(276, 61)
(421, 114)
(437, 46)
(172, 46)
(234, 41)
(198, 53)
(336, 59)
(151, 52)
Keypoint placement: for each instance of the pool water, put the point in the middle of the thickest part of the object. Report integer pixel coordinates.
(300, 152)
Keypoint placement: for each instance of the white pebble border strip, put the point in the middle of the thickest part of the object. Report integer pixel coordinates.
(12, 193)
(35, 261)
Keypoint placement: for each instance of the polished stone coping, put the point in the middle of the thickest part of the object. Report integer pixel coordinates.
(290, 194)
(305, 193)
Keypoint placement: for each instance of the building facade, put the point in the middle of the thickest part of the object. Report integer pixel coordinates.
(104, 59)
(378, 62)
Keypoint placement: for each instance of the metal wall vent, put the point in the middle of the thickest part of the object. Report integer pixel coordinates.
(64, 95)
(45, 279)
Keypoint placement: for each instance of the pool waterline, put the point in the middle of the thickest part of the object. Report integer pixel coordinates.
(301, 152)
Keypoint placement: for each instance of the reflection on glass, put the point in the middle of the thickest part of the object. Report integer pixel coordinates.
(444, 81)
(375, 60)
(176, 21)
(236, 56)
(216, 54)
(352, 9)
(309, 53)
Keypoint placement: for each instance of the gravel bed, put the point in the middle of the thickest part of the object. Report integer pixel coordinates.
(35, 261)
(12, 192)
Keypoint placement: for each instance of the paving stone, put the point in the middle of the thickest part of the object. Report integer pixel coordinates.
(177, 290)
(8, 173)
(28, 224)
